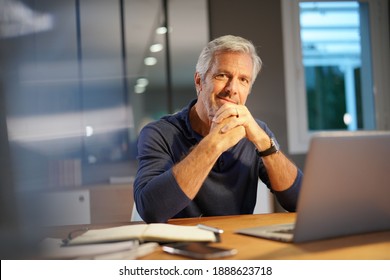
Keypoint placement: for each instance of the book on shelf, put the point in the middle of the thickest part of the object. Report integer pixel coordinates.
(156, 232)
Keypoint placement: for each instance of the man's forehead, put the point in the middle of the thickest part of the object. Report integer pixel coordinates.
(233, 60)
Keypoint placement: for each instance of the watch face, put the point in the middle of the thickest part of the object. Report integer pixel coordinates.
(273, 143)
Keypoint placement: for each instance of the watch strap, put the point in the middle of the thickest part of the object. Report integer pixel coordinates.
(271, 150)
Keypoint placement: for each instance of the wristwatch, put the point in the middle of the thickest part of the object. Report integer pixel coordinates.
(271, 150)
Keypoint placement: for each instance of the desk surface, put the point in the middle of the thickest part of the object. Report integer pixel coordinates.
(363, 246)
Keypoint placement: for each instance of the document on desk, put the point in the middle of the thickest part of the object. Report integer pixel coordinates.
(52, 248)
(157, 232)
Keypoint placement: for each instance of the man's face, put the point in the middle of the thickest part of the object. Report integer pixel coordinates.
(227, 81)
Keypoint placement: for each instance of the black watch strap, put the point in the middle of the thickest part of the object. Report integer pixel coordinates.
(271, 150)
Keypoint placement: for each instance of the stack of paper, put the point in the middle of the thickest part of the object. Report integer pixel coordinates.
(53, 249)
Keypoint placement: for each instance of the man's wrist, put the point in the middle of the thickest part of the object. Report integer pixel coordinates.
(269, 151)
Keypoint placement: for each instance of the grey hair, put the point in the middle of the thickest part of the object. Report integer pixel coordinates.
(227, 43)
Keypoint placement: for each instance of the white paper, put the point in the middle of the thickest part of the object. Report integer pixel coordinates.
(52, 248)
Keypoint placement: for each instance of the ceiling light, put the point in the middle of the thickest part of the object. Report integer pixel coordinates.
(156, 48)
(143, 82)
(161, 30)
(150, 61)
(139, 89)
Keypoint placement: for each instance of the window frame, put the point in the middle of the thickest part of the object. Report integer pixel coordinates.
(297, 120)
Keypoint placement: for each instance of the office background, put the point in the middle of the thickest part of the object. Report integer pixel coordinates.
(75, 89)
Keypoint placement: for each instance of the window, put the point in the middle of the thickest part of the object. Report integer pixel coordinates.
(334, 81)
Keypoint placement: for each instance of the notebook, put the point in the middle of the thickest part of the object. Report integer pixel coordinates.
(345, 189)
(157, 232)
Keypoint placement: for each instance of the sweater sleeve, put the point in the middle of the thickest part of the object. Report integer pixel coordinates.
(157, 195)
(288, 199)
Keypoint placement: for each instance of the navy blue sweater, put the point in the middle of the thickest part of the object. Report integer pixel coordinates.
(229, 189)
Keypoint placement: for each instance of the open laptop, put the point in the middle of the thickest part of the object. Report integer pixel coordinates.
(345, 189)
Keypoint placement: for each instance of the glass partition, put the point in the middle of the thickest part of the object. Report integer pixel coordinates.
(78, 80)
(81, 78)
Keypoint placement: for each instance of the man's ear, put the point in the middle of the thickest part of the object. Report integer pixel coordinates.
(198, 82)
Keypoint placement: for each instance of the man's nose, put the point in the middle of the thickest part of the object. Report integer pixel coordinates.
(232, 87)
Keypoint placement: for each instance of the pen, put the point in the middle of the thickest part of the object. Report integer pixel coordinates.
(213, 229)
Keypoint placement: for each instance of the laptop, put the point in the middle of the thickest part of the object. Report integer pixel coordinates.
(345, 189)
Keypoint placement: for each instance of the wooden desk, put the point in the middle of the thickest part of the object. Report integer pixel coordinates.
(365, 246)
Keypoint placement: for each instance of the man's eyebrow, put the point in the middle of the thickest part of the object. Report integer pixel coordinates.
(249, 77)
(221, 70)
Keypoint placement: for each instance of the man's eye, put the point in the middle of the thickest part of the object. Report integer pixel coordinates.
(221, 76)
(244, 80)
